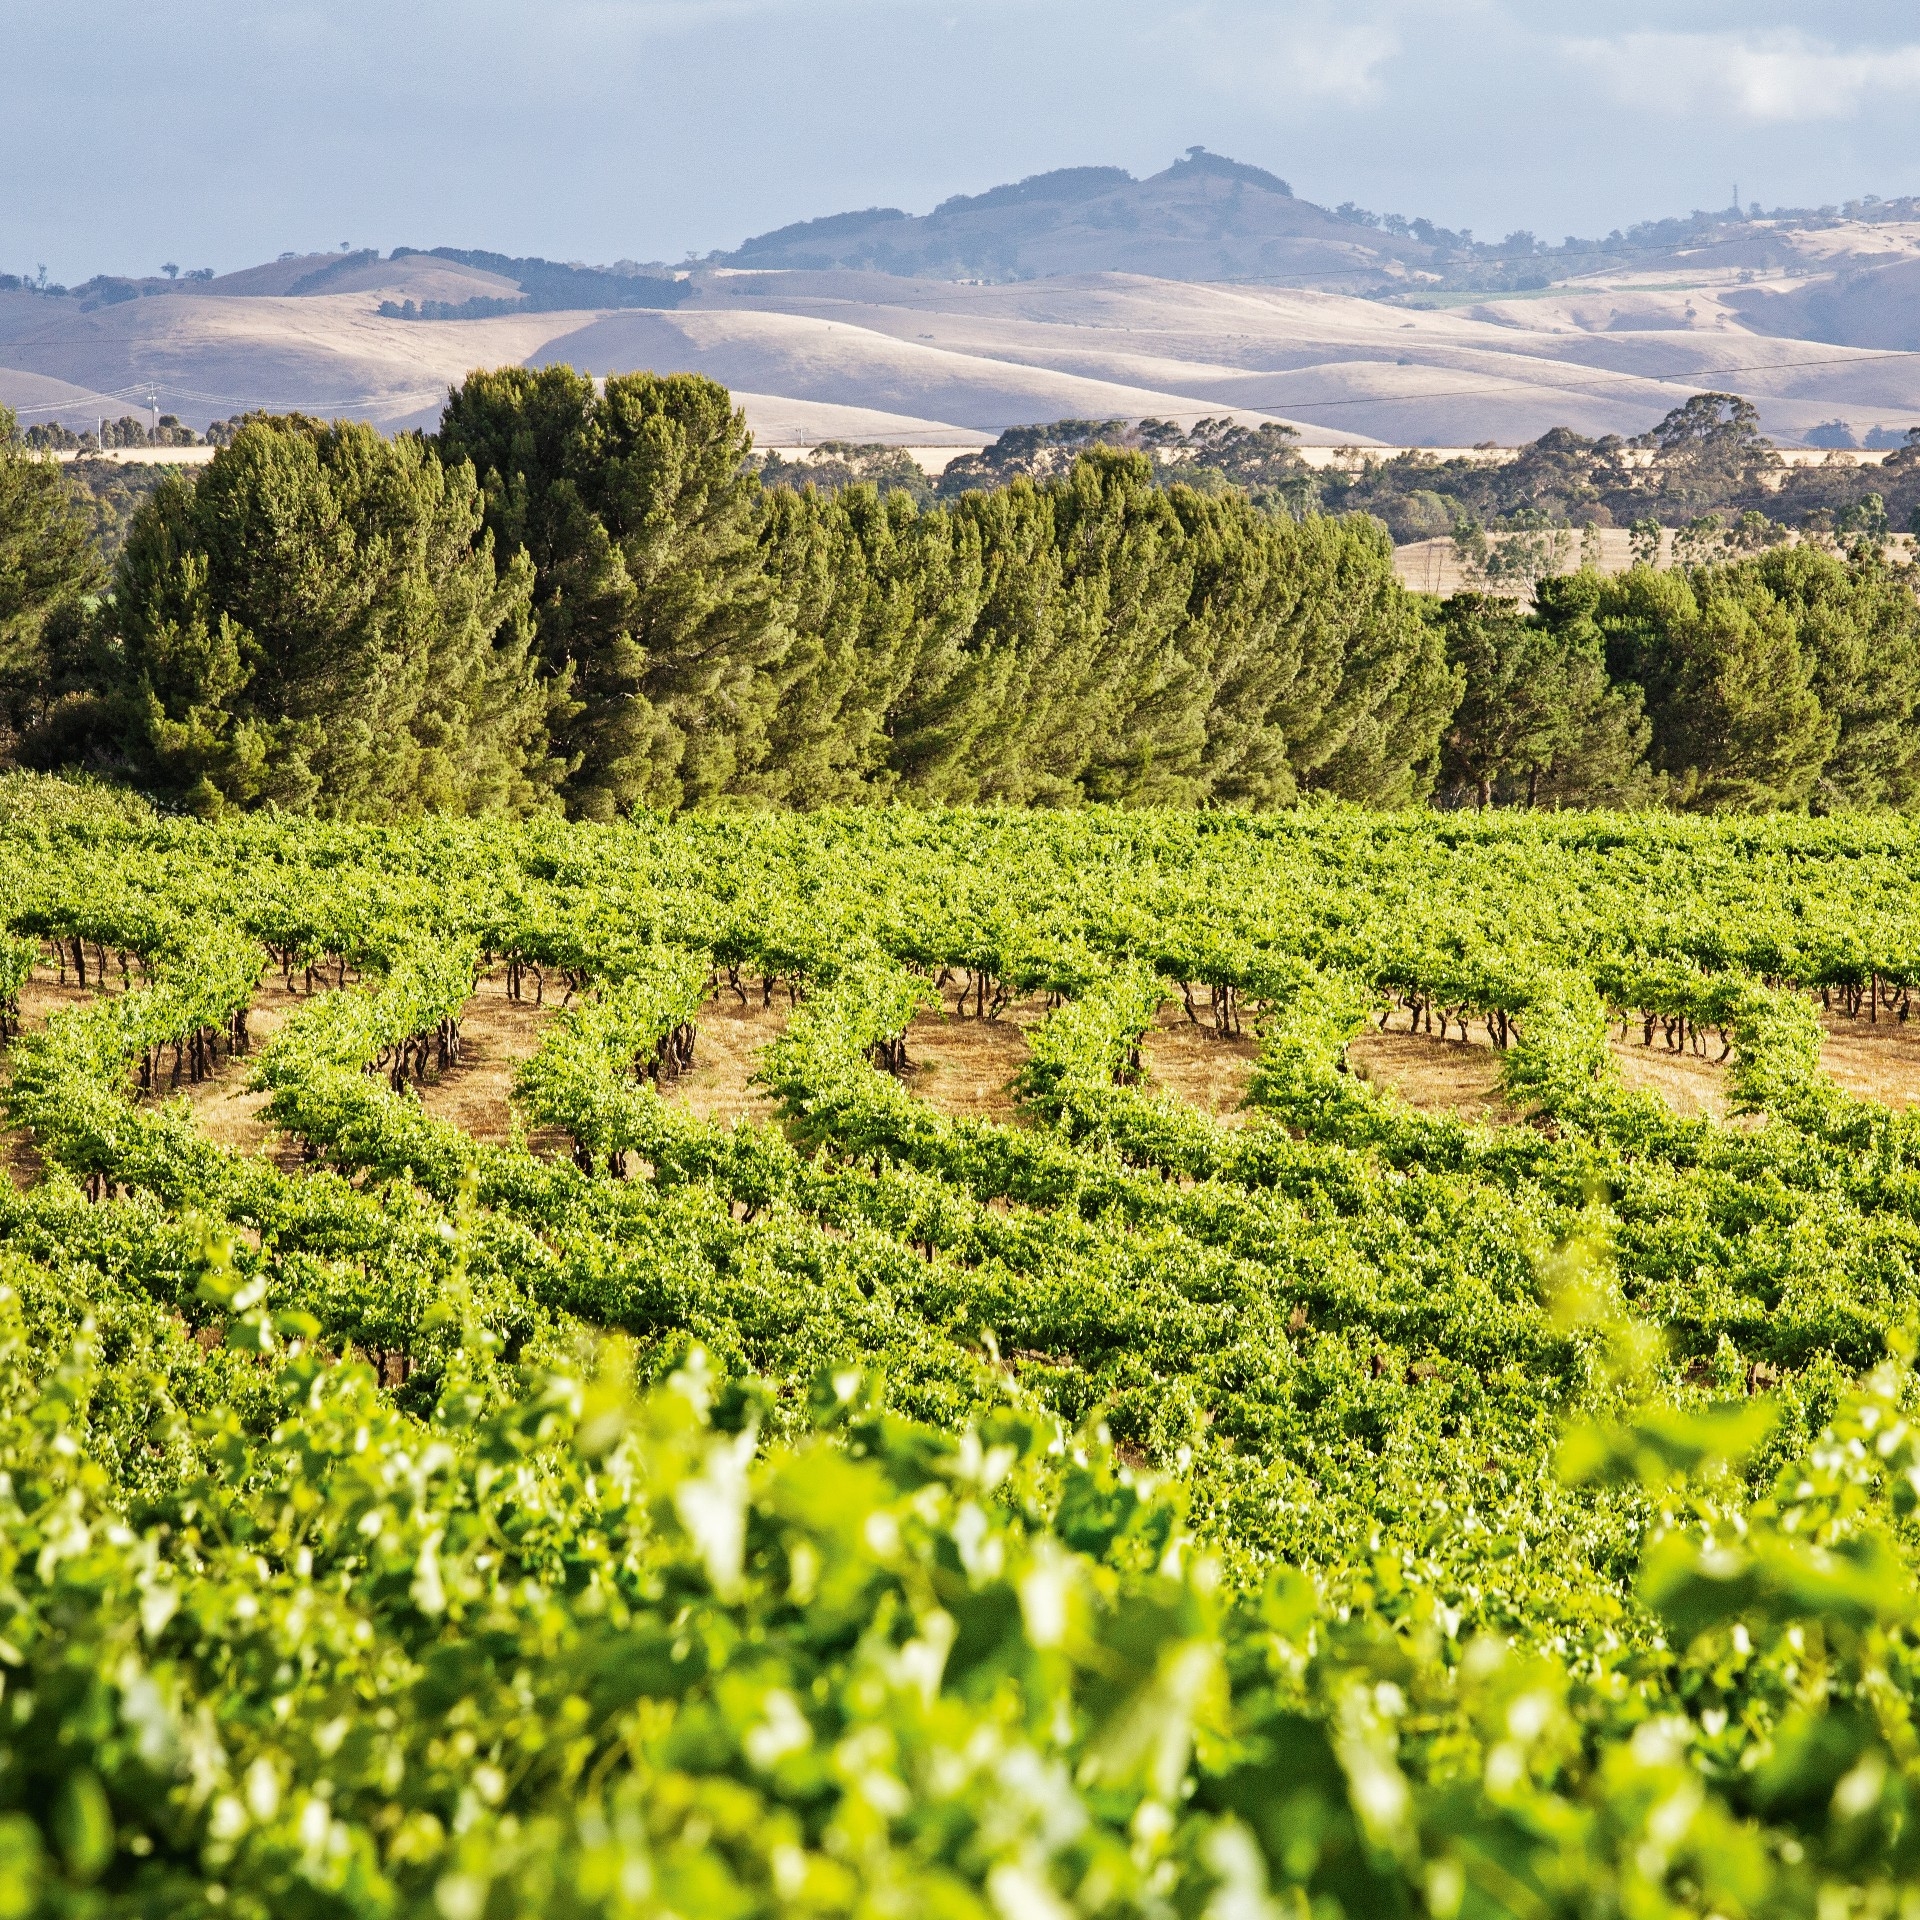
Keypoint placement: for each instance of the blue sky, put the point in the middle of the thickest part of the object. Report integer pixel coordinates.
(219, 134)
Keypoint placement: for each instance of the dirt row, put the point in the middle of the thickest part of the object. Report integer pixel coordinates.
(967, 1068)
(1874, 1061)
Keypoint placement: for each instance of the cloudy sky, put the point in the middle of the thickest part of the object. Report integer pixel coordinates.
(219, 134)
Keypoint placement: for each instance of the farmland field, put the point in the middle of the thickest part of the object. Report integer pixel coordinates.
(958, 1363)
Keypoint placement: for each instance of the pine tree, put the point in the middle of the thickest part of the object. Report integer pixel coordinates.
(943, 700)
(1512, 714)
(318, 621)
(1599, 750)
(47, 566)
(844, 578)
(640, 515)
(666, 474)
(1729, 690)
(1008, 725)
(1322, 672)
(1859, 623)
(1142, 700)
(1238, 634)
(1373, 734)
(530, 435)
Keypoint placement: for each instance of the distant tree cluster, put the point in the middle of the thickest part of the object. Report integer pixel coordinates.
(546, 286)
(1704, 473)
(1522, 262)
(834, 465)
(107, 494)
(480, 307)
(592, 599)
(53, 436)
(1790, 679)
(104, 289)
(1706, 466)
(1212, 456)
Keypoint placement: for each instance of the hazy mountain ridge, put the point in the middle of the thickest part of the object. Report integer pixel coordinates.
(1207, 288)
(1204, 218)
(1235, 222)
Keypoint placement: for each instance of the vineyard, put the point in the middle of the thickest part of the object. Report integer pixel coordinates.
(958, 1364)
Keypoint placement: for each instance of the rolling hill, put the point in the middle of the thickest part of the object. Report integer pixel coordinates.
(1203, 289)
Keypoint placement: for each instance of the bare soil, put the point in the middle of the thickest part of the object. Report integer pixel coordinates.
(965, 1069)
(1877, 1060)
(496, 1035)
(1198, 1065)
(1433, 1075)
(728, 1040)
(228, 1112)
(1691, 1084)
(45, 993)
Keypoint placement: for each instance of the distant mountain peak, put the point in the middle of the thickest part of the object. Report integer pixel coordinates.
(1194, 220)
(1062, 184)
(1199, 160)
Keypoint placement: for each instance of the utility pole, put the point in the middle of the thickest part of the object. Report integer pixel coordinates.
(153, 407)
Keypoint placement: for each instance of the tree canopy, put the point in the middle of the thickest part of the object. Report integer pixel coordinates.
(586, 596)
(47, 566)
(317, 621)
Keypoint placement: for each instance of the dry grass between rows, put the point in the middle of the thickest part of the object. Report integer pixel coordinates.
(965, 1068)
(1693, 1085)
(962, 1067)
(728, 1041)
(1193, 1063)
(229, 1113)
(1878, 1060)
(496, 1035)
(1433, 1075)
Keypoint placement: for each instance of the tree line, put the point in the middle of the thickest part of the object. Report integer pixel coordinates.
(1705, 473)
(1786, 680)
(1705, 470)
(587, 598)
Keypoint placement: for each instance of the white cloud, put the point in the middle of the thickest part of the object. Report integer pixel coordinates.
(1278, 53)
(1777, 76)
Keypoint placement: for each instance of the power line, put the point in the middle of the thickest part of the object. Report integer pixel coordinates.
(283, 406)
(242, 401)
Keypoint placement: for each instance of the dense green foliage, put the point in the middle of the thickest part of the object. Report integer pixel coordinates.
(47, 566)
(316, 620)
(1770, 679)
(1704, 470)
(589, 598)
(637, 513)
(1116, 1513)
(1538, 719)
(1089, 637)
